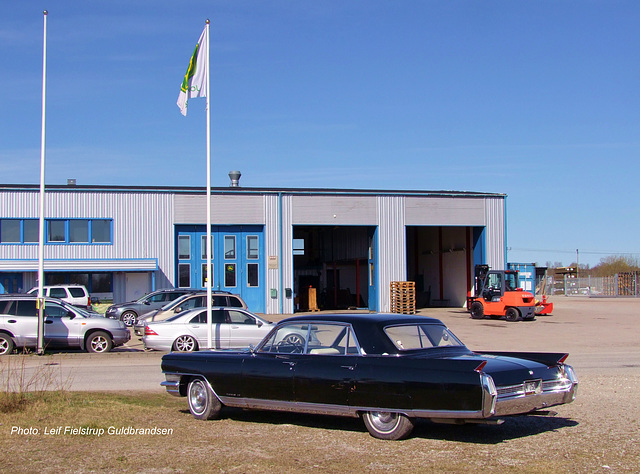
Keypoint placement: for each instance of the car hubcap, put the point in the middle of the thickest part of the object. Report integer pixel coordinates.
(99, 344)
(198, 397)
(185, 344)
(4, 346)
(384, 421)
(128, 319)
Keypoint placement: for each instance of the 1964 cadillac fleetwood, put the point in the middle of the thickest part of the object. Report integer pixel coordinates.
(388, 369)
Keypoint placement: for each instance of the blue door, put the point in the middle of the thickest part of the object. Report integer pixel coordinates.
(372, 269)
(11, 283)
(237, 261)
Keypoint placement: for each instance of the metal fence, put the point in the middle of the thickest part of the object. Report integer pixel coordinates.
(620, 285)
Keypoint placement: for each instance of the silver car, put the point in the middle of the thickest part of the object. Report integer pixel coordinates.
(129, 312)
(64, 326)
(232, 328)
(186, 302)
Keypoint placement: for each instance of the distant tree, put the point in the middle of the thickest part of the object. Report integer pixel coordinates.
(614, 264)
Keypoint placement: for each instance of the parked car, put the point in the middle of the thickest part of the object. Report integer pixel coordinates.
(187, 331)
(65, 325)
(76, 295)
(195, 300)
(388, 369)
(128, 312)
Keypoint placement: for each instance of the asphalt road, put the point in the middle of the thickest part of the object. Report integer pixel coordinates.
(601, 336)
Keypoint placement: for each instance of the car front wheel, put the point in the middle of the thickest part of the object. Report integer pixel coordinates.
(203, 403)
(6, 344)
(129, 318)
(387, 425)
(185, 344)
(99, 341)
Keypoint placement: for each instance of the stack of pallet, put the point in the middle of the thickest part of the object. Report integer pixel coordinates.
(403, 297)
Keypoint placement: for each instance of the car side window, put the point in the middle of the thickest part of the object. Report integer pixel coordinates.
(157, 298)
(199, 319)
(331, 339)
(217, 300)
(238, 317)
(287, 339)
(53, 310)
(234, 302)
(58, 292)
(26, 308)
(173, 296)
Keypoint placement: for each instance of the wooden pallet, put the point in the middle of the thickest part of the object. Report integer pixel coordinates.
(403, 297)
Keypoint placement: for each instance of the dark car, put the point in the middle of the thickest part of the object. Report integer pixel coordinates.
(129, 312)
(388, 369)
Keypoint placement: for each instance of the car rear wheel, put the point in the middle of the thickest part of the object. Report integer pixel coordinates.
(203, 403)
(477, 310)
(129, 318)
(387, 425)
(6, 344)
(512, 314)
(99, 341)
(185, 344)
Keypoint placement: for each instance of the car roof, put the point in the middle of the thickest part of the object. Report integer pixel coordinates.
(367, 326)
(359, 318)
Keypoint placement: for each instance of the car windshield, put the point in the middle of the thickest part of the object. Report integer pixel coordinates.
(421, 336)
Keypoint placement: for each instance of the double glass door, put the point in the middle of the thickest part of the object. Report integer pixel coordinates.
(237, 262)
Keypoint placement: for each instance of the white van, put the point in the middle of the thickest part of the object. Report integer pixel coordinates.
(77, 295)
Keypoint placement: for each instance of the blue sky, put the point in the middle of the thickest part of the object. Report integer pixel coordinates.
(539, 100)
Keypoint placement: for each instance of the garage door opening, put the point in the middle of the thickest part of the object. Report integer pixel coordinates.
(440, 261)
(336, 263)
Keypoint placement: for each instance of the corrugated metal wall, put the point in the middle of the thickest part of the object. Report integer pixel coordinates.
(392, 260)
(142, 225)
(495, 232)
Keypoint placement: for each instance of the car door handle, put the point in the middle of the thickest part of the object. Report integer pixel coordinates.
(350, 367)
(48, 321)
(12, 321)
(291, 364)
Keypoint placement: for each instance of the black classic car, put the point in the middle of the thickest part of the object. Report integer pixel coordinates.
(388, 369)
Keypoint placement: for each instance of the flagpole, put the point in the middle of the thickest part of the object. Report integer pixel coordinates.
(40, 349)
(209, 302)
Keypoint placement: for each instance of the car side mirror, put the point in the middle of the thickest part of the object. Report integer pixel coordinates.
(147, 303)
(177, 310)
(71, 315)
(259, 324)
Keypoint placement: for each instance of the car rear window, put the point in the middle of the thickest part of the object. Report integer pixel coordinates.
(77, 292)
(421, 336)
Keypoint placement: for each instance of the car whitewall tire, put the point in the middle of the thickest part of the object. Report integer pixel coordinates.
(387, 425)
(203, 403)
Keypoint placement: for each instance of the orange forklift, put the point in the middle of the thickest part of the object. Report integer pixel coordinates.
(497, 294)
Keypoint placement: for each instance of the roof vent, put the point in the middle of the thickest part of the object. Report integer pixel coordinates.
(235, 178)
(71, 181)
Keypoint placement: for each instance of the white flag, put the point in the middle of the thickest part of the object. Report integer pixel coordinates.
(195, 80)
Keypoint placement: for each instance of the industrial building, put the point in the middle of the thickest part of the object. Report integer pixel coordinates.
(269, 245)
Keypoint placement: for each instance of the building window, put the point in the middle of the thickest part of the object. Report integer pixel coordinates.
(252, 274)
(184, 247)
(31, 231)
(253, 250)
(204, 275)
(230, 247)
(230, 275)
(184, 275)
(101, 231)
(101, 282)
(79, 231)
(10, 231)
(56, 231)
(203, 247)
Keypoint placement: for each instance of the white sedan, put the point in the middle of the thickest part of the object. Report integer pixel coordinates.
(232, 328)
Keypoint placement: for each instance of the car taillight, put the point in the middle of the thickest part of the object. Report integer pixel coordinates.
(89, 301)
(149, 332)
